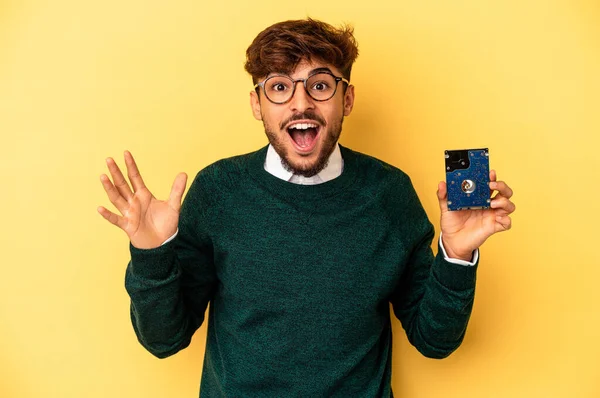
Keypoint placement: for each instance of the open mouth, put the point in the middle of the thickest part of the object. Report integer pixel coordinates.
(304, 135)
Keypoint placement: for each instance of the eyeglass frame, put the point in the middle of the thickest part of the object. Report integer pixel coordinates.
(295, 81)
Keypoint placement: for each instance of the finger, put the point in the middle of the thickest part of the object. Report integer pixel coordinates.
(503, 223)
(112, 217)
(502, 203)
(493, 177)
(502, 188)
(442, 194)
(134, 214)
(118, 179)
(177, 191)
(133, 173)
(113, 194)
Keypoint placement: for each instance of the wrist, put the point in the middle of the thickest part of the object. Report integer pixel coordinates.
(452, 252)
(146, 242)
(454, 256)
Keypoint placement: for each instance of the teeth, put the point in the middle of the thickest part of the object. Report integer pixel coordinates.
(303, 126)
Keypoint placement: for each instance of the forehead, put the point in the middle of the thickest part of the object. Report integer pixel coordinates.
(305, 68)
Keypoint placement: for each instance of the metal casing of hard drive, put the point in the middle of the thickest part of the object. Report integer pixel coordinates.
(467, 178)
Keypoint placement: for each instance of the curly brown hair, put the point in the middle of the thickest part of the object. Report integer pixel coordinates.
(281, 47)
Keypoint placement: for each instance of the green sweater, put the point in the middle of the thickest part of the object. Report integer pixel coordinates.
(300, 279)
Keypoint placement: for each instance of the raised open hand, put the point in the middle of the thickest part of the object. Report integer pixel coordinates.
(147, 221)
(463, 231)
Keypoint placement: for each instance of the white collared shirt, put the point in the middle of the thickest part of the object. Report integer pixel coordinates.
(333, 169)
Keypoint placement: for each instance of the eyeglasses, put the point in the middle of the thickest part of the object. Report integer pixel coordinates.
(320, 86)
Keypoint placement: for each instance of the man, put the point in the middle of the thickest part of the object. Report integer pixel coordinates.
(299, 246)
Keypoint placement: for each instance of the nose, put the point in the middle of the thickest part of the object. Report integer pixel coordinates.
(301, 101)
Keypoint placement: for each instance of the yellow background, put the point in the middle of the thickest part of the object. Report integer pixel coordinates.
(80, 81)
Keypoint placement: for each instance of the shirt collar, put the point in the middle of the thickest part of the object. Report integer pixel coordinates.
(333, 169)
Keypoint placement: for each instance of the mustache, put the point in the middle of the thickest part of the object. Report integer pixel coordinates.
(303, 116)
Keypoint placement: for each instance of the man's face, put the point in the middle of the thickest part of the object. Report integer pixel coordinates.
(304, 151)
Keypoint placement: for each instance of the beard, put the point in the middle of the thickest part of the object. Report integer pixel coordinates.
(306, 169)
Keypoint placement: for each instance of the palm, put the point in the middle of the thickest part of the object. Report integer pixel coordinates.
(147, 221)
(473, 226)
(156, 218)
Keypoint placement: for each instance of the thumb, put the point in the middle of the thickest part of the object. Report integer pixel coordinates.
(177, 191)
(442, 194)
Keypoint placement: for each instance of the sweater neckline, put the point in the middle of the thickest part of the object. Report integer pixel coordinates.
(304, 192)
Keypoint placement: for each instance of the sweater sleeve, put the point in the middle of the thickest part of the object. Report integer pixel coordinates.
(434, 297)
(170, 286)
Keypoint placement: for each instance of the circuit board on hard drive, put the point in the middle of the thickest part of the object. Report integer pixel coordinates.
(467, 178)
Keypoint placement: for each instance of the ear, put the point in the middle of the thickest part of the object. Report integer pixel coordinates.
(348, 100)
(255, 105)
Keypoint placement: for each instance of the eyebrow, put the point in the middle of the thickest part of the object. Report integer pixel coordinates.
(312, 72)
(319, 70)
